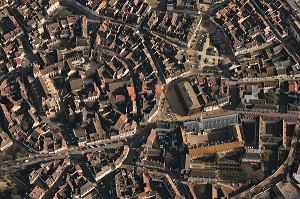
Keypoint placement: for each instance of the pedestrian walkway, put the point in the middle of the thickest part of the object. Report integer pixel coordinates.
(208, 57)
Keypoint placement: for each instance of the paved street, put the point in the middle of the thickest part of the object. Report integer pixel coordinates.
(18, 180)
(164, 65)
(278, 175)
(106, 186)
(40, 158)
(204, 56)
(136, 143)
(289, 47)
(195, 32)
(76, 154)
(155, 65)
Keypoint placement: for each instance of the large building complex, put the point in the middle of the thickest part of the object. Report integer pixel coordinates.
(211, 123)
(188, 98)
(149, 99)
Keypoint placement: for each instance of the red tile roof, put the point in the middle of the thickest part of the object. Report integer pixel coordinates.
(131, 92)
(18, 61)
(292, 85)
(71, 19)
(141, 75)
(120, 98)
(121, 121)
(158, 88)
(151, 137)
(144, 88)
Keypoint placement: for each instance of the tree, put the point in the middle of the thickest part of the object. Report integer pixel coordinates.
(11, 193)
(58, 82)
(261, 95)
(14, 191)
(181, 149)
(71, 119)
(16, 197)
(168, 157)
(215, 157)
(271, 96)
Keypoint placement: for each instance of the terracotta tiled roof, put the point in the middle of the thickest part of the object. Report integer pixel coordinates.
(131, 92)
(197, 152)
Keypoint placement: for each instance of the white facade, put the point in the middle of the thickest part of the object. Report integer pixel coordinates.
(53, 7)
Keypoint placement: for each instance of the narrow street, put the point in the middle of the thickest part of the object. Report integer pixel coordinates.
(278, 175)
(124, 43)
(136, 143)
(289, 48)
(39, 158)
(152, 59)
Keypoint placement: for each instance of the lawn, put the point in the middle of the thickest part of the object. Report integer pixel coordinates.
(59, 47)
(64, 14)
(79, 68)
(206, 162)
(235, 159)
(209, 52)
(12, 153)
(266, 162)
(58, 82)
(228, 161)
(214, 41)
(260, 40)
(232, 175)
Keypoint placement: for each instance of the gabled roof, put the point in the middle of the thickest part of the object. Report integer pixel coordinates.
(76, 84)
(80, 133)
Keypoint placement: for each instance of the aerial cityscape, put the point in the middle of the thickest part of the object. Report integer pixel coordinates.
(149, 99)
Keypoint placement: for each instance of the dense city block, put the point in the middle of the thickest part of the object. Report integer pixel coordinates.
(105, 99)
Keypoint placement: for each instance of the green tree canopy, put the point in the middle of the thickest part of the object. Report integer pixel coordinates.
(271, 96)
